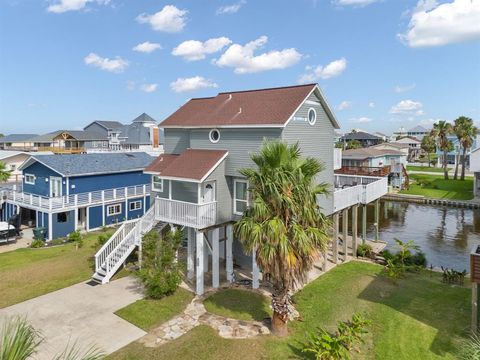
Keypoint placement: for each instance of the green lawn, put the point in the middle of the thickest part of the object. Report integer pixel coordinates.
(148, 314)
(27, 273)
(439, 188)
(419, 318)
(425, 168)
(239, 304)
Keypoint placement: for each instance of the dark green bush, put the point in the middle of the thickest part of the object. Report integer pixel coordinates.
(76, 238)
(37, 243)
(102, 239)
(365, 250)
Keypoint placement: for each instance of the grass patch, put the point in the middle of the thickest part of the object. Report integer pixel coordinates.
(238, 304)
(419, 318)
(28, 273)
(148, 314)
(434, 186)
(425, 168)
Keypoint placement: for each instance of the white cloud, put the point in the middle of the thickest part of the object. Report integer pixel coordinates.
(361, 120)
(191, 84)
(242, 58)
(371, 105)
(116, 65)
(404, 88)
(230, 9)
(170, 19)
(408, 107)
(62, 6)
(333, 69)
(434, 24)
(148, 88)
(147, 47)
(193, 50)
(344, 105)
(353, 2)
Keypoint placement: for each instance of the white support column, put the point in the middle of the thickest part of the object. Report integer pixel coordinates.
(255, 271)
(199, 271)
(103, 208)
(345, 233)
(215, 258)
(335, 239)
(50, 226)
(190, 253)
(354, 229)
(205, 253)
(364, 224)
(229, 260)
(76, 217)
(377, 218)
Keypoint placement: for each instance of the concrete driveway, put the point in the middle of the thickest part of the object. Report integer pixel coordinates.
(83, 314)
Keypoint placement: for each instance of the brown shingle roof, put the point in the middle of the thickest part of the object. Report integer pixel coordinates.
(192, 164)
(252, 107)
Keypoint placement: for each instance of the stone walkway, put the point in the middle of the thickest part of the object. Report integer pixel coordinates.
(194, 315)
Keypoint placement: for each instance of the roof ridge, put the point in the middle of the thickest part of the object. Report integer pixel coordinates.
(264, 89)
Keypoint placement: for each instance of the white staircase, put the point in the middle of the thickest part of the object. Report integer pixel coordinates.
(121, 244)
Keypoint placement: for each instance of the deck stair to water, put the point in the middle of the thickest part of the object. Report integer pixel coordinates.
(121, 244)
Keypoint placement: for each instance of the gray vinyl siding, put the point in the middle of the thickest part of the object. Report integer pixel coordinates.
(223, 194)
(185, 191)
(176, 140)
(97, 128)
(315, 141)
(162, 194)
(240, 144)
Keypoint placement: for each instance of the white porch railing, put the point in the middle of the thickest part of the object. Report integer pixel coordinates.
(347, 197)
(375, 190)
(353, 190)
(72, 201)
(197, 216)
(337, 158)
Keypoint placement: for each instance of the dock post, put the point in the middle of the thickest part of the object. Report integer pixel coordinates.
(345, 233)
(364, 223)
(377, 218)
(354, 229)
(335, 239)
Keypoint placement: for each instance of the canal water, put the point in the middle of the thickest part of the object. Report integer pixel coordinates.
(445, 234)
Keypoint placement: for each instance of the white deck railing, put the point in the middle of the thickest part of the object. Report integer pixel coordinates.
(353, 190)
(197, 216)
(72, 201)
(375, 190)
(337, 158)
(344, 198)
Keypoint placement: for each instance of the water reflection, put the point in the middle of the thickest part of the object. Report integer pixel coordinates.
(445, 234)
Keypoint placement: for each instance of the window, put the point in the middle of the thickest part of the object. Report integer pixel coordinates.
(312, 116)
(240, 201)
(30, 179)
(157, 183)
(13, 167)
(62, 217)
(114, 209)
(135, 205)
(214, 135)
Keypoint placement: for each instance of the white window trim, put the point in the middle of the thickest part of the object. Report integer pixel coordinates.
(155, 188)
(235, 181)
(308, 116)
(30, 182)
(136, 202)
(210, 136)
(114, 206)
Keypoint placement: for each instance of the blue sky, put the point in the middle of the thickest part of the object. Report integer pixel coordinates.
(381, 63)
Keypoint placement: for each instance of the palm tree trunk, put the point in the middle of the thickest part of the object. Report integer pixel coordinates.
(457, 161)
(428, 156)
(445, 171)
(280, 305)
(462, 176)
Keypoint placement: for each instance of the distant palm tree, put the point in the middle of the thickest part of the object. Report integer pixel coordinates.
(428, 145)
(440, 131)
(4, 173)
(284, 226)
(466, 134)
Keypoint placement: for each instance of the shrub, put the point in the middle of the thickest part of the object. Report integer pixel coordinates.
(76, 238)
(18, 339)
(365, 250)
(470, 348)
(102, 239)
(332, 346)
(161, 273)
(394, 270)
(37, 243)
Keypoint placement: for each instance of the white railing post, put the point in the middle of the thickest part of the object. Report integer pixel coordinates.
(114, 193)
(89, 197)
(103, 196)
(76, 199)
(31, 199)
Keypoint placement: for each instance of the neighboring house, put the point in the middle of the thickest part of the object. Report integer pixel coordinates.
(414, 147)
(72, 192)
(142, 134)
(16, 142)
(197, 183)
(403, 148)
(12, 160)
(69, 141)
(366, 139)
(457, 149)
(475, 168)
(375, 161)
(418, 132)
(382, 136)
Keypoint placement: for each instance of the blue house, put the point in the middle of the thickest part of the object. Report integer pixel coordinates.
(72, 192)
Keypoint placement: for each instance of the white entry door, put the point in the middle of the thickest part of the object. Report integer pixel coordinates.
(55, 186)
(208, 192)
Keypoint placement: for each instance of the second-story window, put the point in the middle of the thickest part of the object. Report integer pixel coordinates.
(214, 135)
(30, 179)
(157, 184)
(240, 201)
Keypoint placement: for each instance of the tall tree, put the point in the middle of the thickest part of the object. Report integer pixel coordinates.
(428, 145)
(284, 225)
(440, 131)
(354, 144)
(458, 130)
(4, 173)
(466, 135)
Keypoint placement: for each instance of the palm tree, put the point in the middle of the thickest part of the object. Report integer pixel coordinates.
(4, 173)
(440, 131)
(466, 135)
(428, 145)
(284, 226)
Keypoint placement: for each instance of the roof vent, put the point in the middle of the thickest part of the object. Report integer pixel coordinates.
(230, 96)
(240, 110)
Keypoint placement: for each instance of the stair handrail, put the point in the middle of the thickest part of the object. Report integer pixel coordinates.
(126, 237)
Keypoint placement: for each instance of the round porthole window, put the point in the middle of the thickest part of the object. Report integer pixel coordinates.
(214, 135)
(312, 116)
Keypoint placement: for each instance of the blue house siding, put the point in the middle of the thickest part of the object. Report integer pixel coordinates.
(95, 219)
(41, 172)
(134, 214)
(83, 184)
(114, 219)
(61, 229)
